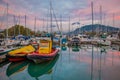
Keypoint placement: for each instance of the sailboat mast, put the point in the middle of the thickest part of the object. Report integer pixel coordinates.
(51, 15)
(61, 30)
(69, 26)
(35, 27)
(48, 18)
(19, 24)
(79, 26)
(92, 59)
(104, 19)
(25, 25)
(43, 24)
(61, 25)
(105, 23)
(92, 15)
(7, 24)
(113, 21)
(100, 14)
(47, 21)
(100, 17)
(14, 24)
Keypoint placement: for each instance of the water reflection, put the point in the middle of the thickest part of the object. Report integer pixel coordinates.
(16, 67)
(27, 69)
(96, 62)
(89, 63)
(36, 70)
(115, 47)
(103, 49)
(101, 66)
(75, 48)
(64, 48)
(3, 63)
(92, 59)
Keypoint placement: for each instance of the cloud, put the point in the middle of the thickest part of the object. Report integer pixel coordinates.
(76, 9)
(117, 17)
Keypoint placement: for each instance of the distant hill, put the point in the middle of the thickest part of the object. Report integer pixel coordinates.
(14, 30)
(95, 28)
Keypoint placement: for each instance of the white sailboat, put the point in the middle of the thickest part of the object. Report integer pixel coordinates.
(113, 37)
(102, 40)
(7, 43)
(25, 42)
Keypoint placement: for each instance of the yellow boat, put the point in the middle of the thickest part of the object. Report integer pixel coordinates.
(45, 51)
(20, 54)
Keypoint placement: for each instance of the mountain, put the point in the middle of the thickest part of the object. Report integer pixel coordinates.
(96, 28)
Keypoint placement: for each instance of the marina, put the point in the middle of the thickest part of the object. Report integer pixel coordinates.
(87, 62)
(59, 40)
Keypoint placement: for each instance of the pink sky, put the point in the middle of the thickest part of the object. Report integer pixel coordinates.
(77, 9)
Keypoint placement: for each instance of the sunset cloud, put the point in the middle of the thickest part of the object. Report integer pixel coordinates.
(78, 10)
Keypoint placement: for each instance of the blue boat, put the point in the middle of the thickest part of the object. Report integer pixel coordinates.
(63, 41)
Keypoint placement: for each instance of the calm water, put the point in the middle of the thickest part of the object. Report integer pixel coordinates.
(83, 63)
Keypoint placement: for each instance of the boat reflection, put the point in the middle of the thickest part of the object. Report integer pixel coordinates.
(93, 63)
(103, 49)
(3, 59)
(36, 70)
(2, 64)
(16, 67)
(63, 48)
(115, 47)
(75, 48)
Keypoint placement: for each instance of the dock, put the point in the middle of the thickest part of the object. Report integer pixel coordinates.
(116, 42)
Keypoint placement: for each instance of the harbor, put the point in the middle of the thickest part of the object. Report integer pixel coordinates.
(87, 62)
(59, 40)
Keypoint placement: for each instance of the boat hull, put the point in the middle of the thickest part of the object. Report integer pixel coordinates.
(16, 58)
(3, 59)
(37, 57)
(5, 51)
(20, 54)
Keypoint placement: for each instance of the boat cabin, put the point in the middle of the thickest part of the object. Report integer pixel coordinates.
(45, 46)
(75, 41)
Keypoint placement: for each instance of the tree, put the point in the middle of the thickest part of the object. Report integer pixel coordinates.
(14, 31)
